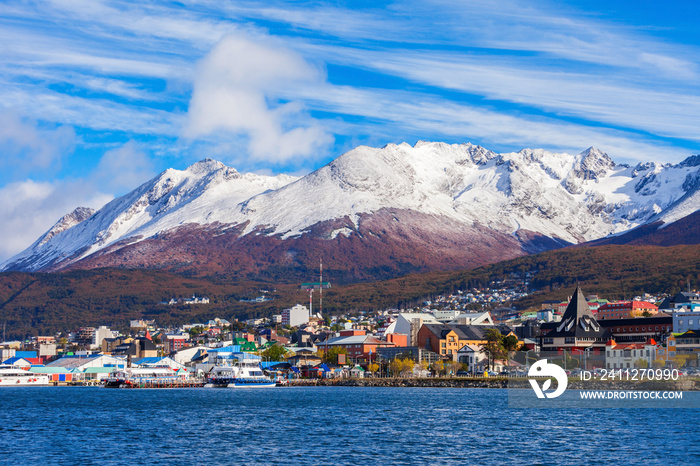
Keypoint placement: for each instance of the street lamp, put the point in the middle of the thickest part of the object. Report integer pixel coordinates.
(585, 358)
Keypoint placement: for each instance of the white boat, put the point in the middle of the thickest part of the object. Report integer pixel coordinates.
(240, 375)
(11, 376)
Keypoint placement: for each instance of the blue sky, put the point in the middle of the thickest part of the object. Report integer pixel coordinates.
(97, 97)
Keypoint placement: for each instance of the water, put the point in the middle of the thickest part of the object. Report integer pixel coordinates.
(328, 425)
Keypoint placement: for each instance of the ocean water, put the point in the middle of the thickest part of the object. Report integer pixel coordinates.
(328, 425)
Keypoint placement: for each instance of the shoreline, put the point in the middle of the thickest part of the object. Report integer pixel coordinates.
(496, 382)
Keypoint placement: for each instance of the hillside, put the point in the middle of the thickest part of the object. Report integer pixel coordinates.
(39, 303)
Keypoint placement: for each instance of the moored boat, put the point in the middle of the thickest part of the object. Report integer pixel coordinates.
(11, 376)
(149, 377)
(240, 375)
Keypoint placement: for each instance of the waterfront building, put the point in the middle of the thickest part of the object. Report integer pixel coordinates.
(630, 355)
(475, 359)
(577, 331)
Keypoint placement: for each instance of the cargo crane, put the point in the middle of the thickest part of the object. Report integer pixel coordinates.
(320, 285)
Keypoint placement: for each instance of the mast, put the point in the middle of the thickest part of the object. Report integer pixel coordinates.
(320, 290)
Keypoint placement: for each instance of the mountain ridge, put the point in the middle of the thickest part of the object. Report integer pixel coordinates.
(397, 209)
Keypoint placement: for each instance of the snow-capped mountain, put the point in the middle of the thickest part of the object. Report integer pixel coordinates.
(375, 212)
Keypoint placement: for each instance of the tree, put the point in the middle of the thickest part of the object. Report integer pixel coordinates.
(401, 367)
(274, 353)
(510, 343)
(373, 367)
(641, 363)
(659, 363)
(493, 347)
(331, 356)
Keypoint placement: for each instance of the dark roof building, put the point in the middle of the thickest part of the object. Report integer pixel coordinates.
(577, 330)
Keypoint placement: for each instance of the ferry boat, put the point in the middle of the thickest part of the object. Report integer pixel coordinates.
(11, 376)
(241, 375)
(146, 377)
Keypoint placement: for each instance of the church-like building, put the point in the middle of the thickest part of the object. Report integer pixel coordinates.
(577, 331)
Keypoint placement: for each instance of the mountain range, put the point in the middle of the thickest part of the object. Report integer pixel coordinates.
(375, 213)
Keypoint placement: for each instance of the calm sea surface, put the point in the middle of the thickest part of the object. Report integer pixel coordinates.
(328, 425)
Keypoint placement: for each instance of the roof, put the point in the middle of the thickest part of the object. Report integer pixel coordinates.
(71, 362)
(578, 320)
(658, 319)
(465, 332)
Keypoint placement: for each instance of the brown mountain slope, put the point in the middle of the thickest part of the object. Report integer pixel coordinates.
(33, 304)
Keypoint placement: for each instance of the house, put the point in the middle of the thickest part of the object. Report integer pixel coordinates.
(473, 357)
(687, 348)
(21, 363)
(357, 372)
(577, 331)
(140, 347)
(630, 355)
(357, 343)
(304, 359)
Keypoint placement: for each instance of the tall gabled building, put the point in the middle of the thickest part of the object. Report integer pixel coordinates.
(577, 331)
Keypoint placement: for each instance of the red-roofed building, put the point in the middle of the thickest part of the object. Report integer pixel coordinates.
(625, 310)
(631, 355)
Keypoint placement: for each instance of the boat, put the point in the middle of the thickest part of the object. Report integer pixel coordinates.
(148, 377)
(239, 375)
(11, 376)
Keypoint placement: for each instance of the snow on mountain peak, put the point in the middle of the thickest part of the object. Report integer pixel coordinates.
(79, 215)
(562, 196)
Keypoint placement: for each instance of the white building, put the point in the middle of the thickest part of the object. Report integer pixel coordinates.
(100, 334)
(444, 316)
(295, 316)
(473, 357)
(473, 318)
(410, 323)
(628, 356)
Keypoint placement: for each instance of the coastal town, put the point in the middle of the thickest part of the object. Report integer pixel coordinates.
(443, 337)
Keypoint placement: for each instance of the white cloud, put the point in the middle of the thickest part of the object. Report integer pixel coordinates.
(25, 147)
(122, 169)
(29, 208)
(237, 89)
